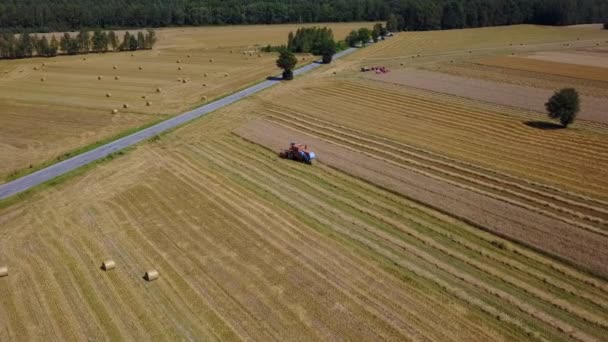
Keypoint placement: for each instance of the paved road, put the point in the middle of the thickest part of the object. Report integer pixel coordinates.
(55, 170)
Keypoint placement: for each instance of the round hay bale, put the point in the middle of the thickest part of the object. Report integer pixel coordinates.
(144, 96)
(43, 64)
(100, 77)
(148, 103)
(114, 111)
(132, 54)
(401, 64)
(108, 265)
(206, 74)
(204, 84)
(3, 271)
(151, 275)
(259, 55)
(244, 53)
(231, 51)
(250, 54)
(210, 60)
(184, 81)
(108, 95)
(35, 68)
(189, 56)
(204, 98)
(42, 79)
(115, 67)
(84, 58)
(116, 77)
(125, 106)
(179, 79)
(141, 68)
(158, 90)
(178, 61)
(179, 68)
(226, 75)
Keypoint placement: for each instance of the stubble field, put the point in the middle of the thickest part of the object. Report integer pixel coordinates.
(52, 106)
(250, 246)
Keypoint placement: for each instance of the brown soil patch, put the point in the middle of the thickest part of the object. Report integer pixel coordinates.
(596, 60)
(592, 109)
(585, 249)
(551, 68)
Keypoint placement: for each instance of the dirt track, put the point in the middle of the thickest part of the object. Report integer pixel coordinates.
(543, 233)
(592, 109)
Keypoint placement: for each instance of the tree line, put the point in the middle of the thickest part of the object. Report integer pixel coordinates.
(69, 15)
(27, 45)
(364, 35)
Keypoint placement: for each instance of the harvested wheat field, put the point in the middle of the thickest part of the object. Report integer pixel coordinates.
(514, 38)
(252, 247)
(585, 72)
(519, 96)
(491, 150)
(472, 69)
(74, 105)
(427, 216)
(589, 59)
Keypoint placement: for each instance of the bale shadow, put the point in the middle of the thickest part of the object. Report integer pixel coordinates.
(543, 125)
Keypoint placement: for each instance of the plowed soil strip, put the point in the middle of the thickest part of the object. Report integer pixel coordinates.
(592, 109)
(582, 248)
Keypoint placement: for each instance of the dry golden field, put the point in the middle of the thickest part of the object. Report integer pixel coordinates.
(52, 106)
(253, 247)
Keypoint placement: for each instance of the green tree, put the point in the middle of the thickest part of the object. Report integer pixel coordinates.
(124, 46)
(392, 24)
(64, 42)
(564, 105)
(83, 40)
(141, 41)
(99, 41)
(365, 35)
(113, 40)
(7, 45)
(132, 44)
(150, 39)
(353, 38)
(44, 48)
(327, 50)
(377, 31)
(453, 16)
(25, 46)
(53, 47)
(287, 61)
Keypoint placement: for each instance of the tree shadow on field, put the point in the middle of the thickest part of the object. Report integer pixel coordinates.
(543, 125)
(274, 78)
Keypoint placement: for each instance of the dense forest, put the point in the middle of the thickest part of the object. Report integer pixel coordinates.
(65, 15)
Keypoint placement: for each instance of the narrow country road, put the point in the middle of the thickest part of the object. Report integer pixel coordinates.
(29, 181)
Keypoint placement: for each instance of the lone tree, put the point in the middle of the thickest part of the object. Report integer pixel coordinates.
(564, 105)
(287, 61)
(606, 26)
(327, 50)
